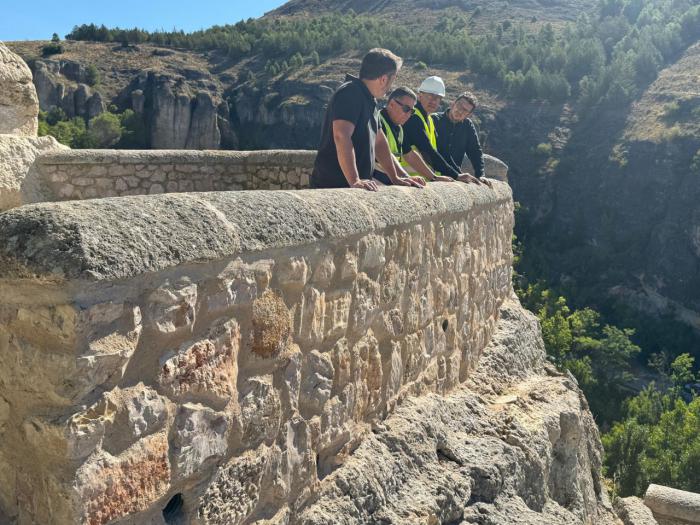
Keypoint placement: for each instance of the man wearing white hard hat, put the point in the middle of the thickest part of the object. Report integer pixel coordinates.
(420, 130)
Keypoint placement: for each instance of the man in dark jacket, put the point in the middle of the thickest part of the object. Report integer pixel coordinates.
(420, 131)
(457, 136)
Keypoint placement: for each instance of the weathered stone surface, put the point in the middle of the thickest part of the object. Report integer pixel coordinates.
(16, 177)
(260, 411)
(207, 369)
(490, 453)
(78, 238)
(19, 106)
(171, 308)
(316, 382)
(200, 435)
(235, 491)
(111, 487)
(671, 505)
(114, 423)
(633, 511)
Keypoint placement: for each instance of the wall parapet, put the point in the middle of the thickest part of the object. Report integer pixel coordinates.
(86, 174)
(229, 350)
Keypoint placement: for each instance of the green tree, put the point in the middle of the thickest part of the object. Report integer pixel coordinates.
(92, 75)
(105, 130)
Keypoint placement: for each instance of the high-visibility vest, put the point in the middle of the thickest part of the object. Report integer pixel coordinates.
(429, 127)
(394, 142)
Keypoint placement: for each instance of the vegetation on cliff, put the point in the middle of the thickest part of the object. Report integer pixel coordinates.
(652, 436)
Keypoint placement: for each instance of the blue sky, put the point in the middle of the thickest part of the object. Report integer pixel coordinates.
(39, 19)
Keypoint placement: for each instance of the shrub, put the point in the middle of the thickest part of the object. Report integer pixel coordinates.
(92, 75)
(105, 130)
(544, 149)
(53, 48)
(420, 66)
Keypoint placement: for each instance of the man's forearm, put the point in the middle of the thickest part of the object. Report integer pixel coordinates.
(418, 164)
(346, 159)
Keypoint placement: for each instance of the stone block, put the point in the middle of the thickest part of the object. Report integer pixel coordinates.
(324, 271)
(337, 314)
(310, 317)
(172, 307)
(371, 252)
(293, 271)
(366, 300)
(316, 383)
(236, 489)
(205, 370)
(236, 285)
(261, 411)
(199, 435)
(108, 487)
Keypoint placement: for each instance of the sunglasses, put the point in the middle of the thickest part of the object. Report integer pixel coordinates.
(404, 107)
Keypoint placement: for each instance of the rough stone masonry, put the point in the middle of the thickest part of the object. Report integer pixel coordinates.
(277, 358)
(232, 348)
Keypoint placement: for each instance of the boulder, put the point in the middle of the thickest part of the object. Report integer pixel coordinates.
(19, 106)
(18, 154)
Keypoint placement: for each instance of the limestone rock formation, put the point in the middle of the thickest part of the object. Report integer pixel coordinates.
(18, 155)
(19, 145)
(516, 444)
(63, 84)
(18, 101)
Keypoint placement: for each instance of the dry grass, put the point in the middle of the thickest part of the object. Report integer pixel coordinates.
(670, 107)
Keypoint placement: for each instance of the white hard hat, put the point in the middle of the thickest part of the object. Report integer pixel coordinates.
(433, 85)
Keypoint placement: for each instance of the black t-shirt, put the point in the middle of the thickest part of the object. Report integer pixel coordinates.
(352, 102)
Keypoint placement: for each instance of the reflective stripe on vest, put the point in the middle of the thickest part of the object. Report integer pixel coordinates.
(429, 128)
(394, 145)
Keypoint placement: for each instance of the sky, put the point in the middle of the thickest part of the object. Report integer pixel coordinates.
(39, 19)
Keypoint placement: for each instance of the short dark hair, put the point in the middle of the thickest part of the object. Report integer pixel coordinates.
(403, 91)
(378, 62)
(469, 97)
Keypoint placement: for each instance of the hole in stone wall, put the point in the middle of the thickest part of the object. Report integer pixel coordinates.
(173, 513)
(445, 324)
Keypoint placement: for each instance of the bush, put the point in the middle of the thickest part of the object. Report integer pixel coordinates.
(105, 130)
(92, 75)
(53, 48)
(544, 149)
(420, 66)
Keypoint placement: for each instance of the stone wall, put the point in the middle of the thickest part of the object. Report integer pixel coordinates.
(85, 174)
(209, 358)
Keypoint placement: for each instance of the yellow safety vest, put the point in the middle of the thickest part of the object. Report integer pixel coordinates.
(429, 127)
(394, 144)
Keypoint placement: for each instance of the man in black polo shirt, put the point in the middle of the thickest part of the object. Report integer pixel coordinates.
(350, 136)
(456, 135)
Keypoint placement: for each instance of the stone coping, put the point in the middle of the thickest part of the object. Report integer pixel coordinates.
(116, 238)
(292, 158)
(669, 504)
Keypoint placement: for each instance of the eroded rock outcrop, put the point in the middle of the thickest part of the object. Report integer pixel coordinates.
(64, 84)
(515, 444)
(19, 145)
(19, 106)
